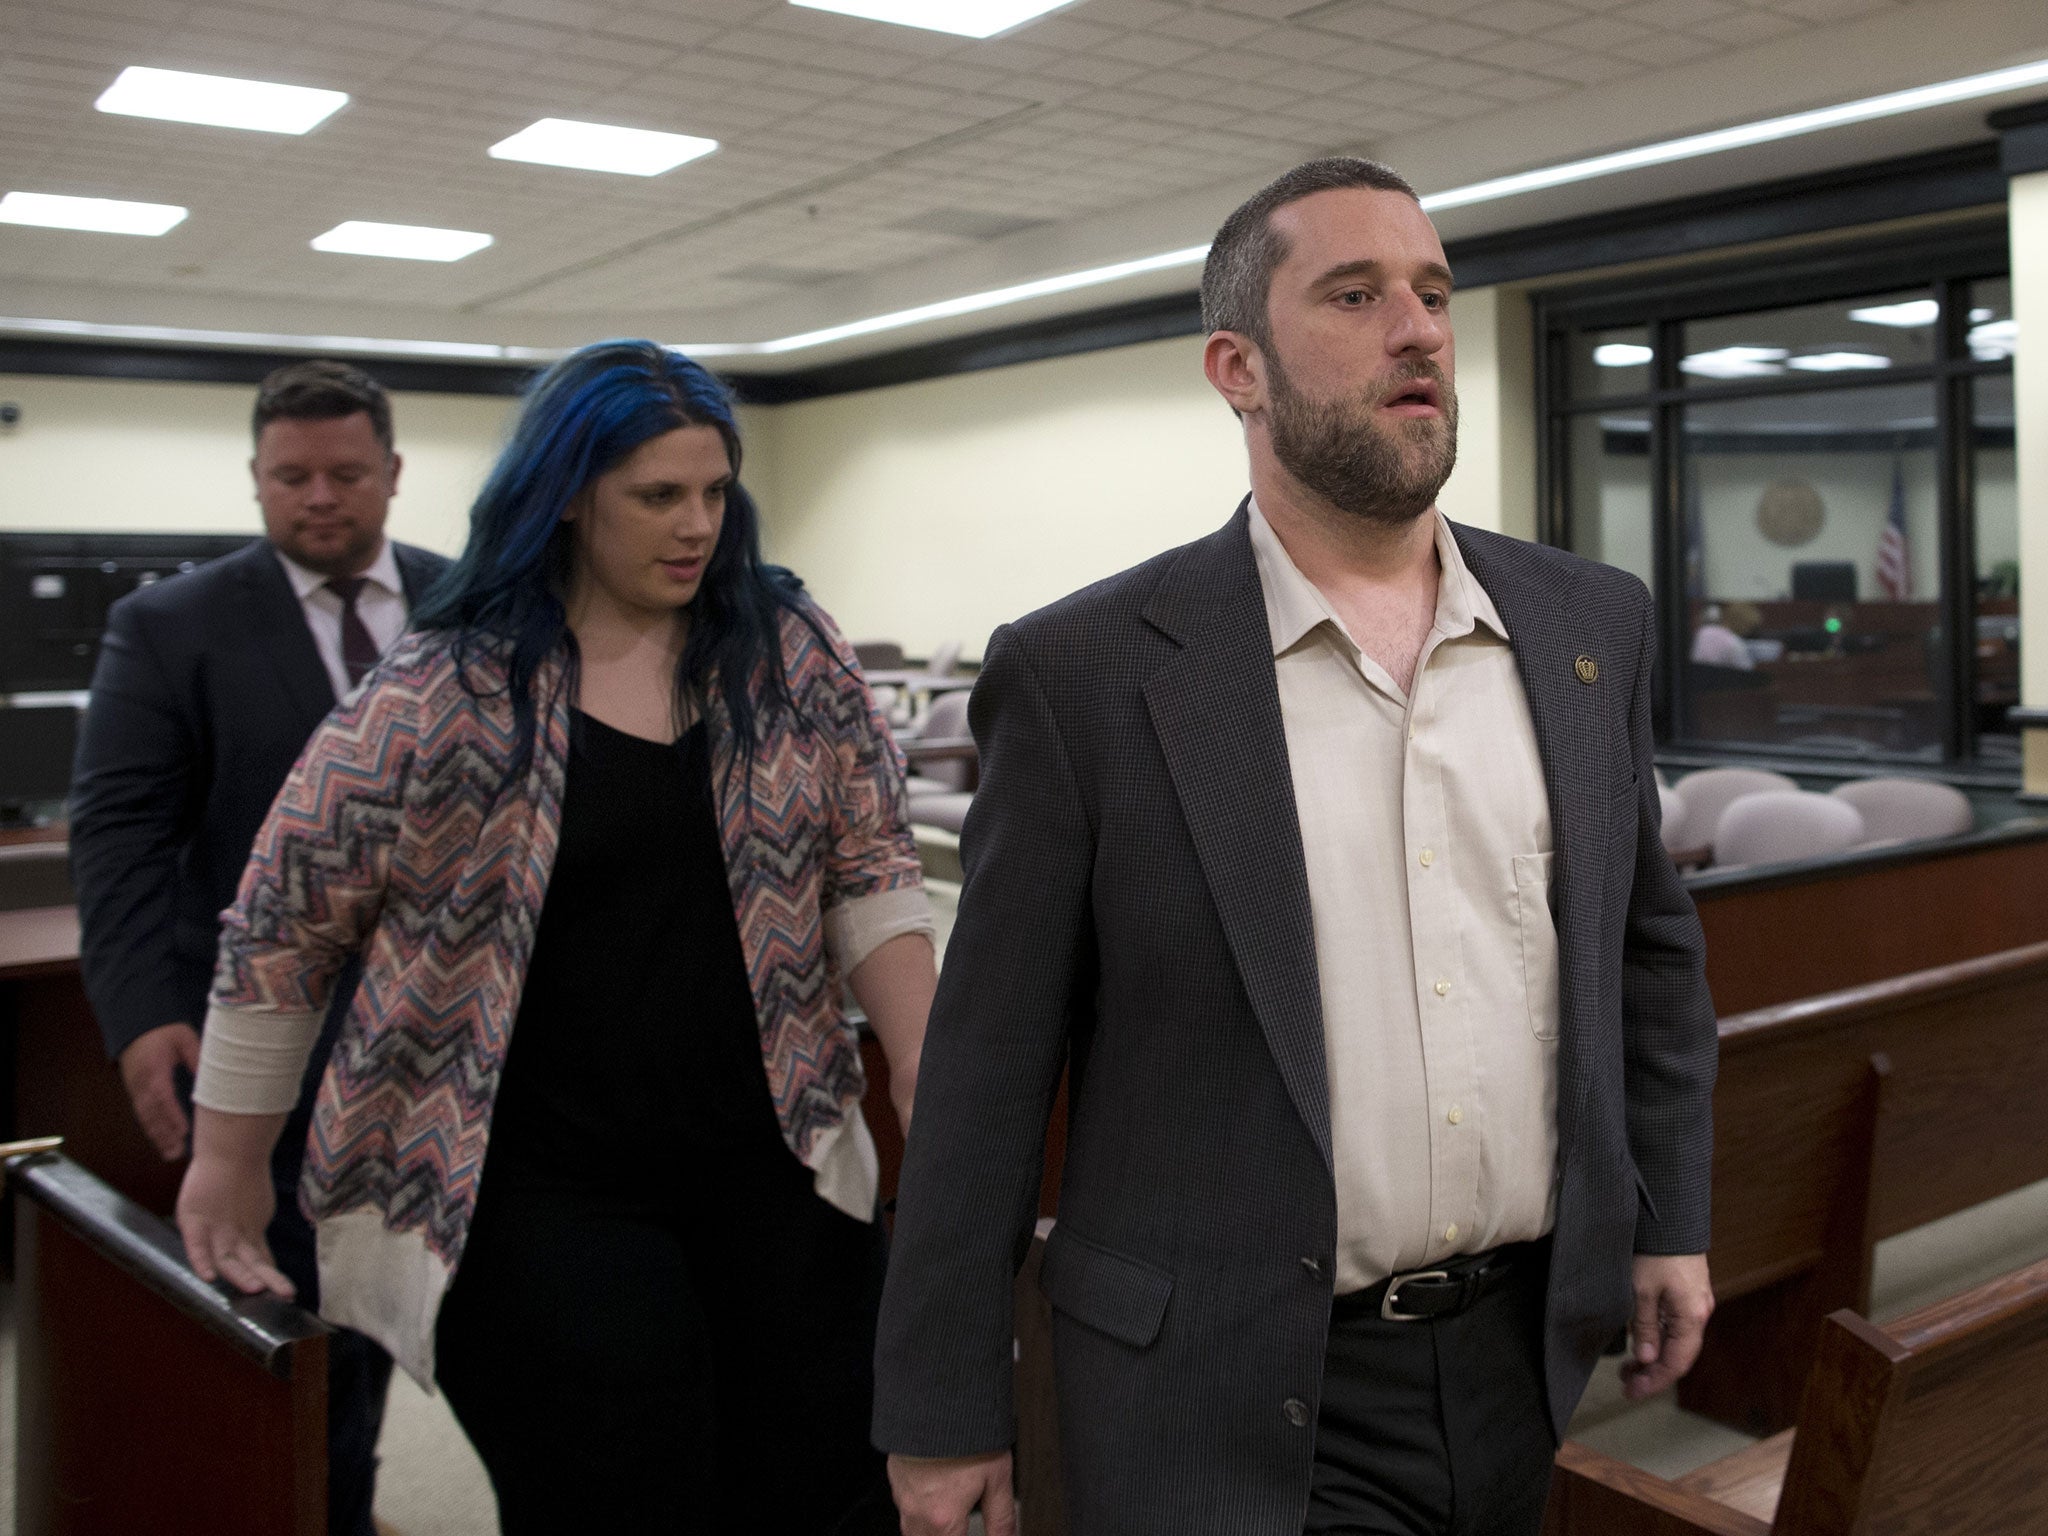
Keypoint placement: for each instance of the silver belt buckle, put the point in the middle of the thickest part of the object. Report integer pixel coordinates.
(1393, 1289)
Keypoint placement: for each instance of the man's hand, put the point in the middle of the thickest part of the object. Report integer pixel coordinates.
(1674, 1299)
(935, 1496)
(148, 1064)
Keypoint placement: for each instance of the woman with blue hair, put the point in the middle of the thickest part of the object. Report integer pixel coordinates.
(607, 832)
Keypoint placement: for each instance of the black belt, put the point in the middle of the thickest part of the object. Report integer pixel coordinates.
(1443, 1290)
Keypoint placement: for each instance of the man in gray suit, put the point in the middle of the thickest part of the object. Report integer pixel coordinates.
(1324, 851)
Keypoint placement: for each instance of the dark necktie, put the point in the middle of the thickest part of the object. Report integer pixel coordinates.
(358, 650)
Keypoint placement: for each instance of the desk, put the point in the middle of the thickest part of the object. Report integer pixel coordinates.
(55, 1078)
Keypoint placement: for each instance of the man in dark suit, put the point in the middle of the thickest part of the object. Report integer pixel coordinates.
(206, 690)
(1323, 851)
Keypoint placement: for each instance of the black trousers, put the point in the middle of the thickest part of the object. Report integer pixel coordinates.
(699, 1362)
(1439, 1427)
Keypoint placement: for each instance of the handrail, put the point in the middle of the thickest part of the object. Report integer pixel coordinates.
(1888, 996)
(262, 1328)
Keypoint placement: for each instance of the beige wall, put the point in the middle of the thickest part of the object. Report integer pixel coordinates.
(135, 456)
(923, 512)
(941, 509)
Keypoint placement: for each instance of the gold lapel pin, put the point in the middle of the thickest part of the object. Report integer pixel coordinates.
(1587, 668)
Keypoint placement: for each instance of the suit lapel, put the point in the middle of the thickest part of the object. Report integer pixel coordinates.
(279, 625)
(1573, 727)
(417, 572)
(1216, 710)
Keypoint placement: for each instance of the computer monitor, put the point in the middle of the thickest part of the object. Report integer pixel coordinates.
(56, 588)
(1824, 581)
(36, 743)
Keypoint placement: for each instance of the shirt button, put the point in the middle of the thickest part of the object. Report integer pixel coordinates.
(1451, 1233)
(1443, 989)
(1427, 856)
(1296, 1411)
(1456, 1116)
(1313, 1265)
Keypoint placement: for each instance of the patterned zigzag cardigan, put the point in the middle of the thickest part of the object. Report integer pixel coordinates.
(396, 836)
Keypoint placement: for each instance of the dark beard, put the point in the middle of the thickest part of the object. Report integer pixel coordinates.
(1338, 451)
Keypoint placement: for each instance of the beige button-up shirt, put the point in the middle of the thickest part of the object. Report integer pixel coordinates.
(1426, 832)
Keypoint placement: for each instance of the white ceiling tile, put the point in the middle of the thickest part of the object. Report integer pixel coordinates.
(1094, 70)
(1513, 87)
(1212, 27)
(1677, 15)
(1455, 74)
(1520, 15)
(1269, 10)
(1446, 37)
(1671, 48)
(1067, 32)
(1830, 10)
(1522, 53)
(1132, 13)
(1590, 68)
(1746, 28)
(1154, 48)
(1596, 32)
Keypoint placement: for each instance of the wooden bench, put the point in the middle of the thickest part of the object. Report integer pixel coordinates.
(1791, 931)
(150, 1401)
(1844, 1119)
(1933, 1425)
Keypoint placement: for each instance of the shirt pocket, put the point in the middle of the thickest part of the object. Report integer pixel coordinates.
(1539, 942)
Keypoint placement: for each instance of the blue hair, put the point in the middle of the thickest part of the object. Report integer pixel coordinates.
(582, 417)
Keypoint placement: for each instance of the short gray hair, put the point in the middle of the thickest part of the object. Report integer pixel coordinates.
(1247, 249)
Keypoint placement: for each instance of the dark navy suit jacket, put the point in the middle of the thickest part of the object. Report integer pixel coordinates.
(207, 686)
(1136, 906)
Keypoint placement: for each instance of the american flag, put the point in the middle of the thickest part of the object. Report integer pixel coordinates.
(1894, 554)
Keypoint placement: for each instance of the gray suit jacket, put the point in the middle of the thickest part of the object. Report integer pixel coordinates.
(1136, 904)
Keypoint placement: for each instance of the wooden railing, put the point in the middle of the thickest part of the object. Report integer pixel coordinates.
(150, 1400)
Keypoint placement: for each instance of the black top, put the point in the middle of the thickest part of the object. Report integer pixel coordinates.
(636, 1047)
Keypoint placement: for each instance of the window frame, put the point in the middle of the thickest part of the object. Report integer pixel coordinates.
(1945, 260)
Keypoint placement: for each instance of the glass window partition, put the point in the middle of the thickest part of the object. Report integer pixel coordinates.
(1996, 658)
(1872, 334)
(1609, 461)
(1811, 464)
(1816, 624)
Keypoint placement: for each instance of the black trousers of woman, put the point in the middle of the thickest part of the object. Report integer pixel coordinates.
(700, 1363)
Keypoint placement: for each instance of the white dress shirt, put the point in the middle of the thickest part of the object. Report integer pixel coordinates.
(1425, 830)
(380, 605)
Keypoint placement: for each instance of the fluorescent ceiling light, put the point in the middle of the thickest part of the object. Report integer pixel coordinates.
(1837, 362)
(1994, 335)
(1735, 362)
(1994, 340)
(274, 341)
(1911, 314)
(1919, 98)
(101, 215)
(1979, 316)
(412, 242)
(219, 100)
(963, 18)
(945, 309)
(1621, 354)
(600, 147)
